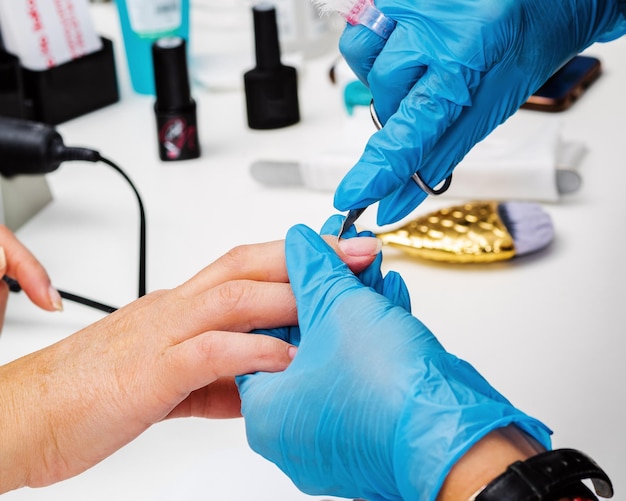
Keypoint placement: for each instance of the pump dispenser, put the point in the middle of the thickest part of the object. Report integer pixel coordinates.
(271, 87)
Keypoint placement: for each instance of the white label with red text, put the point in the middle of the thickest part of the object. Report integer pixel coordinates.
(47, 33)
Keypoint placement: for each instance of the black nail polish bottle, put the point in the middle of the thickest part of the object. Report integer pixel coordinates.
(271, 87)
(174, 108)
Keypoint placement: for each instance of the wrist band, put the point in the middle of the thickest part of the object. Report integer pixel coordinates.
(549, 476)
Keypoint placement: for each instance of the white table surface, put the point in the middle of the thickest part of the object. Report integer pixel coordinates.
(547, 330)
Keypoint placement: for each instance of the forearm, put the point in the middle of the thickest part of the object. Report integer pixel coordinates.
(57, 406)
(487, 459)
(508, 464)
(21, 434)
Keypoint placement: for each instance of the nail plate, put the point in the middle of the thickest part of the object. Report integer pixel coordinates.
(55, 298)
(360, 246)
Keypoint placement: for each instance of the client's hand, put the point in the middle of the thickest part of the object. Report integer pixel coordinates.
(372, 406)
(17, 262)
(171, 353)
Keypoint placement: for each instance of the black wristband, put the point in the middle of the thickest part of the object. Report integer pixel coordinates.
(549, 476)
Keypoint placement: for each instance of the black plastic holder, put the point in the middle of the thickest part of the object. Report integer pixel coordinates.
(66, 91)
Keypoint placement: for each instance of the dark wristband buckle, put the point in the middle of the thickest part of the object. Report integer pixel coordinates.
(549, 476)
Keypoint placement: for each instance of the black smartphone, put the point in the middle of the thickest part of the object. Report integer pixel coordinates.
(564, 88)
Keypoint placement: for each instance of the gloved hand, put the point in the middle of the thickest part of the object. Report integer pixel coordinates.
(372, 406)
(450, 73)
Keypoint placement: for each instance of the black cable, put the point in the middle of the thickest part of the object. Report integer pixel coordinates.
(65, 153)
(142, 228)
(93, 156)
(62, 153)
(14, 286)
(87, 302)
(84, 154)
(36, 148)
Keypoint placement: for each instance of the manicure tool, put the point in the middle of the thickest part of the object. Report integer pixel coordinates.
(354, 214)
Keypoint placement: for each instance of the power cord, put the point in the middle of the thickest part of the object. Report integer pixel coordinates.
(14, 286)
(31, 148)
(142, 228)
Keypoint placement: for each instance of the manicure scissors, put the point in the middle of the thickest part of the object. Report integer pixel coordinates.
(354, 214)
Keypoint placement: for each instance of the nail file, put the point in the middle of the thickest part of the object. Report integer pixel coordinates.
(326, 175)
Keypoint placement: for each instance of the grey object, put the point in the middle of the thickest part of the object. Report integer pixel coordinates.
(568, 181)
(21, 197)
(289, 174)
(277, 173)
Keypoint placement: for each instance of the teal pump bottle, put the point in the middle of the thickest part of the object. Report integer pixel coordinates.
(143, 22)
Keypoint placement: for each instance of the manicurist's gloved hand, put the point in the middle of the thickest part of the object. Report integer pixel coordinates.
(451, 71)
(372, 406)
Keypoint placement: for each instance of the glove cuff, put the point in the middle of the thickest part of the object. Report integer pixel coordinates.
(548, 476)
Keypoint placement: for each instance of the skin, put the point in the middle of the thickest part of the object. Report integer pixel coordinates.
(17, 262)
(485, 461)
(171, 353)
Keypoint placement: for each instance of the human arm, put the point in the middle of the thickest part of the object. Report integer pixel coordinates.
(508, 464)
(372, 405)
(19, 263)
(448, 75)
(171, 353)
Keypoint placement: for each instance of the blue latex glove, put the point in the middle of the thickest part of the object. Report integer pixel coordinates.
(450, 73)
(391, 286)
(372, 406)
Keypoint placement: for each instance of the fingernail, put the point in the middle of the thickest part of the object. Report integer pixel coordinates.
(55, 298)
(3, 260)
(360, 246)
(291, 351)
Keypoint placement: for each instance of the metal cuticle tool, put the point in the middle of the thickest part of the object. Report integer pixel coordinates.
(415, 177)
(353, 215)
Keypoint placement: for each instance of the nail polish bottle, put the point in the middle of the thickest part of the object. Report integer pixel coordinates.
(175, 109)
(271, 87)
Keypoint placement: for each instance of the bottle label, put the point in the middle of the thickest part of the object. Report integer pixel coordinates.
(178, 137)
(154, 16)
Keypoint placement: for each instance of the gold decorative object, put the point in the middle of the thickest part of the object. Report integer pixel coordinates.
(468, 233)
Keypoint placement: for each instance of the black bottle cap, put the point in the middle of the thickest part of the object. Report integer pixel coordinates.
(171, 78)
(271, 87)
(267, 45)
